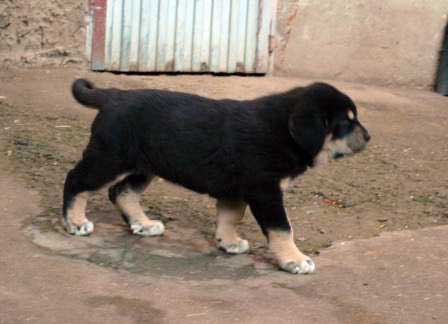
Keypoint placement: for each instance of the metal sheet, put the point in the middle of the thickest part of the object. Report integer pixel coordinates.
(225, 36)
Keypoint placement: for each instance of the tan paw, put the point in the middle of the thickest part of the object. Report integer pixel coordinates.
(299, 267)
(238, 247)
(79, 230)
(151, 229)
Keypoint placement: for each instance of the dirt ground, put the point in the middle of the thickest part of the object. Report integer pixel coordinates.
(42, 33)
(398, 183)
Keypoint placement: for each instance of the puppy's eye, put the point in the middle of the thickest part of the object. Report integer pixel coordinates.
(351, 115)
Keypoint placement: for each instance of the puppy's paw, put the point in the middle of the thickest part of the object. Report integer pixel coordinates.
(79, 230)
(238, 247)
(152, 228)
(299, 267)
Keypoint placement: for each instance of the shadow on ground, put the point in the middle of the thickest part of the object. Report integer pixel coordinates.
(185, 256)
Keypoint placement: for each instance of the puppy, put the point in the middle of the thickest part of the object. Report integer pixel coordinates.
(238, 152)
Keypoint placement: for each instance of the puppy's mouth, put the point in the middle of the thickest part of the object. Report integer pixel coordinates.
(348, 152)
(338, 156)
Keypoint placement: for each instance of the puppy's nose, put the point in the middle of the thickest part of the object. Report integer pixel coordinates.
(366, 136)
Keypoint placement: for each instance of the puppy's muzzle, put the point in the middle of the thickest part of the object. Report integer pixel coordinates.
(352, 143)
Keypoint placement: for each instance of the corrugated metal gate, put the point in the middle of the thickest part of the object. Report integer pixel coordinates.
(228, 36)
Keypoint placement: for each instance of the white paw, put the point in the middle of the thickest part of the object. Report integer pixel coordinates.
(299, 267)
(241, 246)
(79, 230)
(155, 228)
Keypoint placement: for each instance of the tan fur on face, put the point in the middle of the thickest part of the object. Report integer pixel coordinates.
(76, 214)
(228, 215)
(284, 183)
(351, 143)
(356, 140)
(325, 154)
(331, 148)
(128, 202)
(351, 115)
(340, 146)
(282, 245)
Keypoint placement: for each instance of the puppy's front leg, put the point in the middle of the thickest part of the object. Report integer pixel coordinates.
(229, 214)
(267, 208)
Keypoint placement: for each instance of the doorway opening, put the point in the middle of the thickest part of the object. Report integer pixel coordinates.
(442, 69)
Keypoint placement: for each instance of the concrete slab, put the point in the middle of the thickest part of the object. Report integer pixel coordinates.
(400, 277)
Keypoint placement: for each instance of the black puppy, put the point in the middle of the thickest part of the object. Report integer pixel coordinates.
(239, 152)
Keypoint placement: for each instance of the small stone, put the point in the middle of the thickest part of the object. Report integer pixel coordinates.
(4, 21)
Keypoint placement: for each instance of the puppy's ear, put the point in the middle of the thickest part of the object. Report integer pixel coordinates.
(307, 128)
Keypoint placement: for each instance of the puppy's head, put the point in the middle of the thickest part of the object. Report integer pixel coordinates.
(324, 123)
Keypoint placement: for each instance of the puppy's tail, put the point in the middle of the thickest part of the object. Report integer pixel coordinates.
(86, 94)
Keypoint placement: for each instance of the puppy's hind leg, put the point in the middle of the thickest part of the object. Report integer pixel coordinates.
(90, 174)
(126, 195)
(229, 214)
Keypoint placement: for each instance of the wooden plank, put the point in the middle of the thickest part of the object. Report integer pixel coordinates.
(216, 35)
(224, 35)
(148, 35)
(114, 47)
(166, 35)
(135, 34)
(126, 35)
(184, 35)
(237, 37)
(202, 46)
(188, 37)
(99, 10)
(251, 36)
(144, 36)
(265, 32)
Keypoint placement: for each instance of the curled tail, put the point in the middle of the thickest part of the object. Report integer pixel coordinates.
(86, 94)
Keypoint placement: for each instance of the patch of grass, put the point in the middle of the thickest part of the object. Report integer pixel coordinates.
(424, 199)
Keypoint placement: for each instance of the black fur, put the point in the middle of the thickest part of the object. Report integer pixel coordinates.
(229, 149)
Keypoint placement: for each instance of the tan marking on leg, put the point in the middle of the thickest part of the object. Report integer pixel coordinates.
(117, 180)
(76, 213)
(77, 222)
(289, 257)
(324, 155)
(128, 202)
(282, 245)
(228, 215)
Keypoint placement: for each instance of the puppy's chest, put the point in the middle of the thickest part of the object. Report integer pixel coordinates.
(285, 183)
